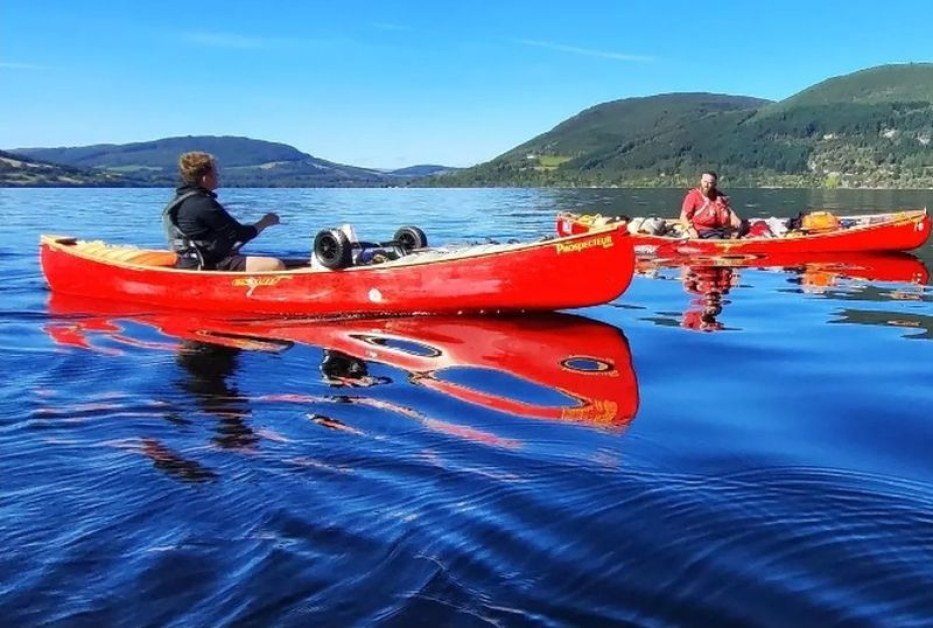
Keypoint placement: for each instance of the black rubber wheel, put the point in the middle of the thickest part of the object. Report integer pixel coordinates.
(332, 249)
(411, 238)
(337, 364)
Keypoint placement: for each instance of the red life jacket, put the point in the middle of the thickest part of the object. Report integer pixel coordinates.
(706, 213)
(707, 279)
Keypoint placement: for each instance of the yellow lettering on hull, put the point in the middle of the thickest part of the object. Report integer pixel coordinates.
(605, 241)
(599, 411)
(254, 282)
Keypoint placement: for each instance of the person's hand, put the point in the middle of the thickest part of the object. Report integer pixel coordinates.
(268, 220)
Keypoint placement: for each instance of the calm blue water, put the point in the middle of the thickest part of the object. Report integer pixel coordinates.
(717, 447)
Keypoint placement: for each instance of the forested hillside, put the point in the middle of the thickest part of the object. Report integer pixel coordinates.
(868, 129)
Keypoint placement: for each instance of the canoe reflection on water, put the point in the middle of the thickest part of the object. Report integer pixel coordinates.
(553, 366)
(710, 279)
(833, 270)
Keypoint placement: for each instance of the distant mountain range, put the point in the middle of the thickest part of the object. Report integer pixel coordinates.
(17, 170)
(244, 162)
(872, 128)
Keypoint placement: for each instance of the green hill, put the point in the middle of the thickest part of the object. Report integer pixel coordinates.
(420, 170)
(24, 171)
(629, 120)
(910, 82)
(245, 162)
(870, 128)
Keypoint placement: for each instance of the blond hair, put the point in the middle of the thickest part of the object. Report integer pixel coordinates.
(194, 165)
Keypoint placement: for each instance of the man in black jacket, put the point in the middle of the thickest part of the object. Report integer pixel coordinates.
(201, 231)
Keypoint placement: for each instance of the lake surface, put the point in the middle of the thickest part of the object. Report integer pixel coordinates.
(719, 446)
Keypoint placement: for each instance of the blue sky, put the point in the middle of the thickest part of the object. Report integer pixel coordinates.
(390, 83)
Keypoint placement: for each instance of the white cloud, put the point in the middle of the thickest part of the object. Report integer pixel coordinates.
(6, 65)
(242, 42)
(386, 26)
(224, 40)
(588, 52)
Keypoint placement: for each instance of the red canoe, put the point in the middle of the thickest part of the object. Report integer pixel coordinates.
(531, 276)
(586, 364)
(894, 231)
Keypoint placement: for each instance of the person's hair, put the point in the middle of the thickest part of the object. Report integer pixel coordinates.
(710, 173)
(194, 165)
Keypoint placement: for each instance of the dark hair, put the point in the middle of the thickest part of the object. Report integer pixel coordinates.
(712, 174)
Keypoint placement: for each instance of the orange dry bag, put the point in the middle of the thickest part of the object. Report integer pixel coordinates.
(819, 221)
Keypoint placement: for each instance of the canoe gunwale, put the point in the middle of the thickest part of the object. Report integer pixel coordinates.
(76, 247)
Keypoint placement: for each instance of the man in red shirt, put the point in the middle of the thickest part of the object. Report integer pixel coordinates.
(706, 212)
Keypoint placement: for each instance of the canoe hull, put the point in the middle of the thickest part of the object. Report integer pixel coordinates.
(900, 231)
(537, 276)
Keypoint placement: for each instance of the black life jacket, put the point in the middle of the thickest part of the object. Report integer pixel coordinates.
(177, 240)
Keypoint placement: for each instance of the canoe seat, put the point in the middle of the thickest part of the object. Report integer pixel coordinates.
(126, 254)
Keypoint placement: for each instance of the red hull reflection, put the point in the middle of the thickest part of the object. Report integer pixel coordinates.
(586, 362)
(883, 267)
(709, 279)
